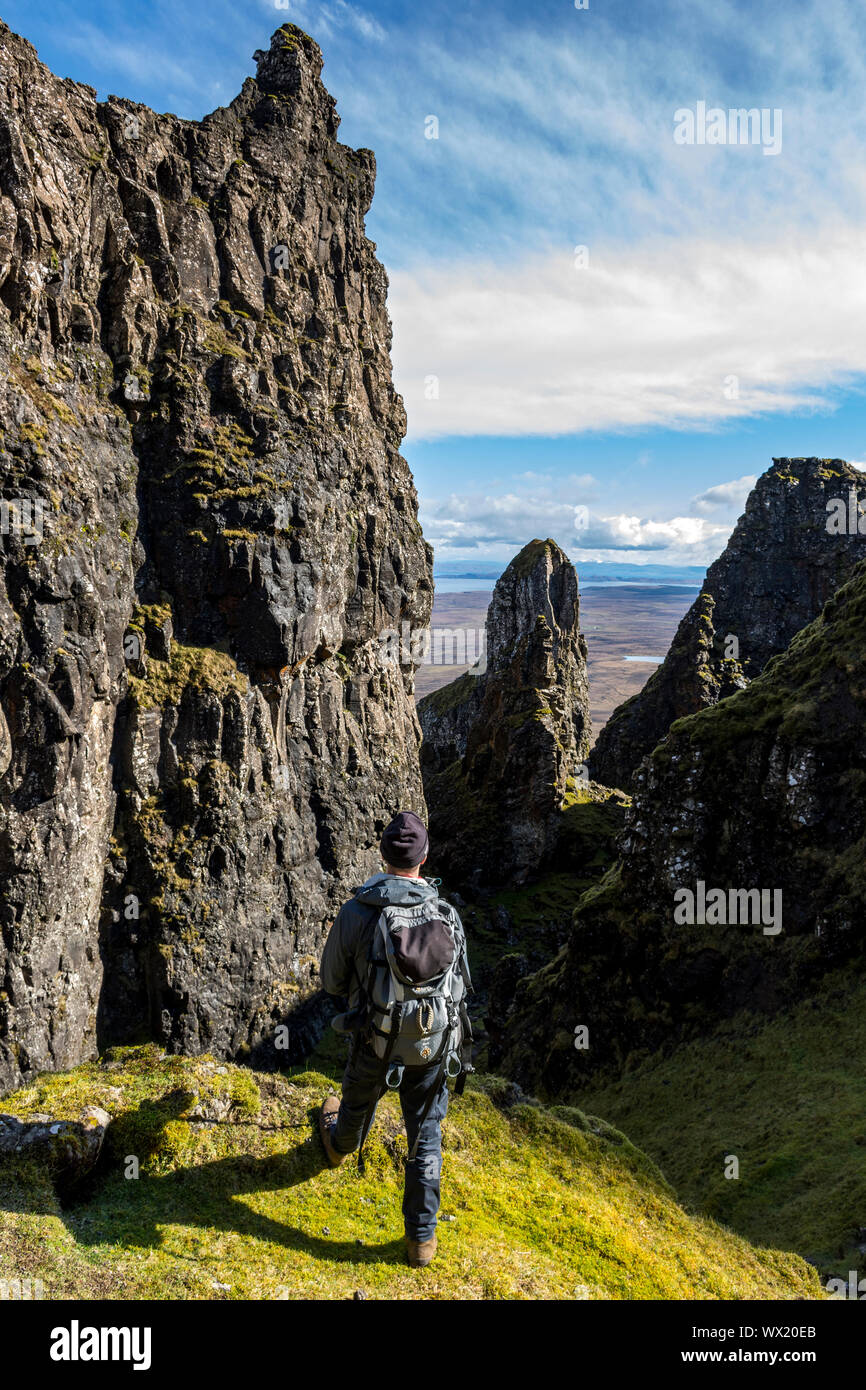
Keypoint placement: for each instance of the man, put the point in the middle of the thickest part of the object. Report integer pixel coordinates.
(398, 953)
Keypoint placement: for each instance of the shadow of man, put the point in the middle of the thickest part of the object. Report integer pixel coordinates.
(130, 1212)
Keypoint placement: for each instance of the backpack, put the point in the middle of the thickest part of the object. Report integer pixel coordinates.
(416, 986)
(414, 1010)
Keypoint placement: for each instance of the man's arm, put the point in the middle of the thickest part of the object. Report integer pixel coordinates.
(337, 957)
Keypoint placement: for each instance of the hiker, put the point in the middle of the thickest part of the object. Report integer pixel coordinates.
(397, 953)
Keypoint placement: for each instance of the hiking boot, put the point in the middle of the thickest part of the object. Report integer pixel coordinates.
(420, 1252)
(327, 1125)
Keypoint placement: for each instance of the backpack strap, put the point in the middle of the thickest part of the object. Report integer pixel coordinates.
(442, 1058)
(468, 1039)
(460, 935)
(466, 1043)
(394, 1010)
(361, 1023)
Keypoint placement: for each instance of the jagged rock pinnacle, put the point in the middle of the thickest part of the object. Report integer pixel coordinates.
(500, 747)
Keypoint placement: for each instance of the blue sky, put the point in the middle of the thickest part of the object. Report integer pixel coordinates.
(714, 317)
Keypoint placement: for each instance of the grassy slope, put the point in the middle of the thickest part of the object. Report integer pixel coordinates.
(545, 1205)
(786, 1097)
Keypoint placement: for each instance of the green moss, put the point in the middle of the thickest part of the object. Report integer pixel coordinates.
(449, 696)
(216, 340)
(239, 534)
(792, 693)
(226, 308)
(204, 668)
(34, 435)
(529, 556)
(146, 615)
(233, 1190)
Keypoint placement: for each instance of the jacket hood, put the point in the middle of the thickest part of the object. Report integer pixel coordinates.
(382, 889)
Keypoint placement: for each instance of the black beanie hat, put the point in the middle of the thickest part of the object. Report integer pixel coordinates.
(405, 841)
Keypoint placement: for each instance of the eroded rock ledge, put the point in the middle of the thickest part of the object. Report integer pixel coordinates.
(777, 571)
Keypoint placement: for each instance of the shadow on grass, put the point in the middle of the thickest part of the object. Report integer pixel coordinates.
(110, 1209)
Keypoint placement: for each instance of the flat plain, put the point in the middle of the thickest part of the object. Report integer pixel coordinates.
(618, 621)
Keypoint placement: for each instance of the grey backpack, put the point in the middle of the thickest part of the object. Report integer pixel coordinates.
(415, 1007)
(416, 986)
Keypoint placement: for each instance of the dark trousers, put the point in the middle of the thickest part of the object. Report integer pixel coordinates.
(361, 1082)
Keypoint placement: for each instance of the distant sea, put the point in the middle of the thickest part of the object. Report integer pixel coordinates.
(456, 577)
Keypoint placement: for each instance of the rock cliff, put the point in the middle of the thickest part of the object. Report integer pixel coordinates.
(503, 748)
(761, 795)
(776, 573)
(206, 525)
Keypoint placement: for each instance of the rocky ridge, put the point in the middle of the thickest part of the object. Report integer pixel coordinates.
(199, 742)
(790, 746)
(504, 748)
(777, 571)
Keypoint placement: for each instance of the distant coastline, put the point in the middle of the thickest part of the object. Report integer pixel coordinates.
(455, 577)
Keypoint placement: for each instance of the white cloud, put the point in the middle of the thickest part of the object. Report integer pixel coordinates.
(624, 532)
(674, 333)
(724, 496)
(487, 525)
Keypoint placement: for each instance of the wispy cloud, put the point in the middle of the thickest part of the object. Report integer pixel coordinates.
(324, 17)
(724, 497)
(140, 60)
(559, 130)
(675, 334)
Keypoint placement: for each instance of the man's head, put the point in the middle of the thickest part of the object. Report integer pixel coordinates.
(404, 845)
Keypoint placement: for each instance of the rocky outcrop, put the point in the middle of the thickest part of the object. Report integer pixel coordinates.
(777, 571)
(503, 748)
(66, 1149)
(741, 879)
(206, 526)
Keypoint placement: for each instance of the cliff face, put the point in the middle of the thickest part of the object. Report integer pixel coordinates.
(763, 792)
(501, 749)
(199, 740)
(776, 573)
